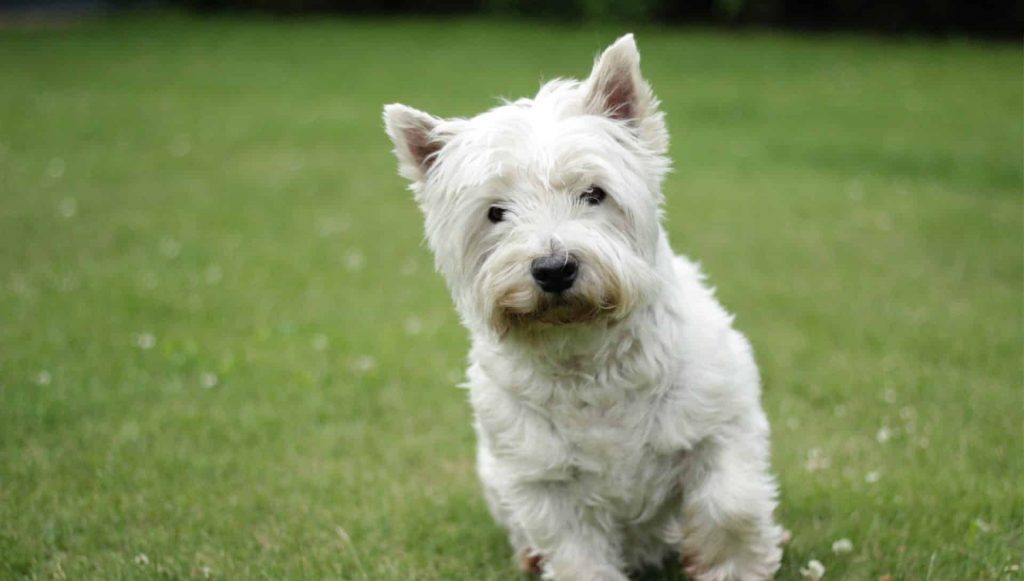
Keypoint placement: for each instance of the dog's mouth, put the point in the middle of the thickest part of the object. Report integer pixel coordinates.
(553, 310)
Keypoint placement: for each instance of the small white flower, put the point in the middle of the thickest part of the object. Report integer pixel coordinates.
(363, 364)
(889, 396)
(413, 326)
(205, 572)
(170, 247)
(320, 342)
(842, 546)
(150, 280)
(883, 435)
(409, 268)
(43, 378)
(67, 208)
(208, 380)
(872, 477)
(982, 525)
(332, 226)
(145, 341)
(213, 274)
(813, 571)
(55, 169)
(816, 460)
(19, 285)
(354, 260)
(141, 559)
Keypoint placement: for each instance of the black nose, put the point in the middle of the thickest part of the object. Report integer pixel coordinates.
(554, 273)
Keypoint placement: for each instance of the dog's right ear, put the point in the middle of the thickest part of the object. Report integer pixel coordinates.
(416, 141)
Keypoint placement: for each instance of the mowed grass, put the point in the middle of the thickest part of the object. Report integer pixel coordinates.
(224, 352)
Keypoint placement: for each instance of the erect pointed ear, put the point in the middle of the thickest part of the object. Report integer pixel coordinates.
(615, 87)
(416, 143)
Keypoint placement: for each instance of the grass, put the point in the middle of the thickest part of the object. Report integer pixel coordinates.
(224, 353)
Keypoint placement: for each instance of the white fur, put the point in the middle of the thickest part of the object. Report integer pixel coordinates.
(619, 424)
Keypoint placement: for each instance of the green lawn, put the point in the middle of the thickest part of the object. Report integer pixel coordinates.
(224, 352)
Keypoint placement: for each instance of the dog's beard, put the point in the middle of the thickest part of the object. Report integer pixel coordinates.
(522, 306)
(546, 310)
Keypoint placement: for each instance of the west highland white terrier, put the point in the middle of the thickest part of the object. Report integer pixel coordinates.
(617, 411)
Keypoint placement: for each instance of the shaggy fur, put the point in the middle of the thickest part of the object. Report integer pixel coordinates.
(619, 421)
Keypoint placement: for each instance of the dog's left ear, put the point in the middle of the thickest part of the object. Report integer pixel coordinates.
(616, 89)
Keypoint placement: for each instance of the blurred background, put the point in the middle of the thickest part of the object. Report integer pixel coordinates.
(224, 352)
(1001, 18)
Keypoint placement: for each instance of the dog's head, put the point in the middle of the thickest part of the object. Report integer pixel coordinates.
(544, 212)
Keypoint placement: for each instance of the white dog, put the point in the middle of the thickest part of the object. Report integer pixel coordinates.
(618, 412)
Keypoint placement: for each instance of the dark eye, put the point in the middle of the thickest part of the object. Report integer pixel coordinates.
(593, 196)
(495, 214)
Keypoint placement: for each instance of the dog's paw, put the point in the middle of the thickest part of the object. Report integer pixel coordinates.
(787, 536)
(584, 573)
(531, 563)
(733, 570)
(569, 570)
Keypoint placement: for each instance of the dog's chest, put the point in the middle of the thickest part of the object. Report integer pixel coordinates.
(599, 431)
(605, 440)
(592, 437)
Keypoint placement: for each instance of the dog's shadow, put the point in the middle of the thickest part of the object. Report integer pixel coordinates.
(670, 571)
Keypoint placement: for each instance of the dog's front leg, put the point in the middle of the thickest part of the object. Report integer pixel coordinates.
(729, 496)
(571, 544)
